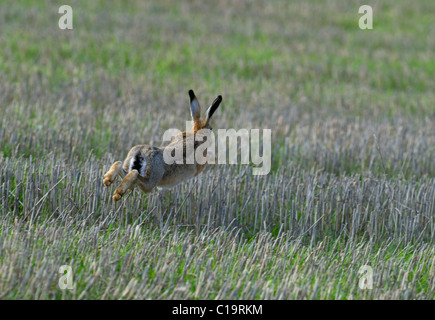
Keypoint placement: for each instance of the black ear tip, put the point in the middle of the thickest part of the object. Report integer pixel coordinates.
(191, 95)
(218, 100)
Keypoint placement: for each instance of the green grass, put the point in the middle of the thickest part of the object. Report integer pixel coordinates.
(352, 181)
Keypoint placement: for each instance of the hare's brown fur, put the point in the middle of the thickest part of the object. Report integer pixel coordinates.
(145, 167)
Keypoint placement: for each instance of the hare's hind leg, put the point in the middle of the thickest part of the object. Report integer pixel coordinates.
(115, 170)
(153, 174)
(133, 178)
(127, 183)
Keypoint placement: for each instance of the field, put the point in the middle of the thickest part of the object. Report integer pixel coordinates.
(352, 182)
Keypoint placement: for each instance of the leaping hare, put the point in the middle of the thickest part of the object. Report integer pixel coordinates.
(145, 165)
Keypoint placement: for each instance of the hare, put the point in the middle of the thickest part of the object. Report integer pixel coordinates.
(145, 166)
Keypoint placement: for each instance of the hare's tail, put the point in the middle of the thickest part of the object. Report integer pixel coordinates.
(138, 162)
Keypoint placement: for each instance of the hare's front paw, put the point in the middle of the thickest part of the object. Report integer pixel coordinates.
(118, 194)
(108, 180)
(110, 175)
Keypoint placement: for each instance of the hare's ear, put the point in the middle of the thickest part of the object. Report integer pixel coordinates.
(212, 108)
(195, 108)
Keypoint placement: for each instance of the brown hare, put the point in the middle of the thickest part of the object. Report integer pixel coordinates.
(146, 167)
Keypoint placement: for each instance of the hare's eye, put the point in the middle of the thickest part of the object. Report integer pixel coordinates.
(211, 128)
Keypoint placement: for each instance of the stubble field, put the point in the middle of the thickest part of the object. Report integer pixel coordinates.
(353, 144)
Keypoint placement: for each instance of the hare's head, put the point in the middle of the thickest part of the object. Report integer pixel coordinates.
(195, 110)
